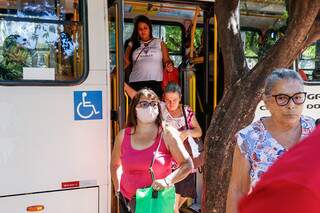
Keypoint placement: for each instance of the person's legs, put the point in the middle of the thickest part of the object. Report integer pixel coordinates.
(185, 189)
(176, 204)
(182, 200)
(123, 204)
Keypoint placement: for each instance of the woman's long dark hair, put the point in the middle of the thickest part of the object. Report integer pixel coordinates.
(135, 39)
(132, 117)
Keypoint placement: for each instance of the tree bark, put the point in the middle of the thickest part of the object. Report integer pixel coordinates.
(231, 48)
(244, 90)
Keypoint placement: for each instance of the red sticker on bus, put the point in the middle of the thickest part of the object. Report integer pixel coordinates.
(71, 184)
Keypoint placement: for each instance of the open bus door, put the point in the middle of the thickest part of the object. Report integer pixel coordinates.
(166, 16)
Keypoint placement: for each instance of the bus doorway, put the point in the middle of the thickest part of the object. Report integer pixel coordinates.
(172, 22)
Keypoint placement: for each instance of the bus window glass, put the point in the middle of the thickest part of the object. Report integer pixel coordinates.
(309, 62)
(41, 40)
(251, 46)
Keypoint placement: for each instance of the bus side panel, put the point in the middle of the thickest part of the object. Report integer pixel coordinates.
(77, 201)
(43, 146)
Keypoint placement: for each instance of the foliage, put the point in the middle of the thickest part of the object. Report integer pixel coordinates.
(252, 44)
(15, 56)
(173, 35)
(310, 52)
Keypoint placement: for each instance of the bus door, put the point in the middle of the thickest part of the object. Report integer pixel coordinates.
(168, 21)
(54, 121)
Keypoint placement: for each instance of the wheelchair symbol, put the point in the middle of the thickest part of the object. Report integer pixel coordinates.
(86, 109)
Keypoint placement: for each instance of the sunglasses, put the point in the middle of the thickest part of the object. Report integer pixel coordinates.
(297, 98)
(146, 104)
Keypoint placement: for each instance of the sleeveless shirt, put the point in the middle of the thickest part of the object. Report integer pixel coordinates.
(149, 66)
(136, 163)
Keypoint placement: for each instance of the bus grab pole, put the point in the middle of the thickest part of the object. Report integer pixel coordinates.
(120, 64)
(206, 66)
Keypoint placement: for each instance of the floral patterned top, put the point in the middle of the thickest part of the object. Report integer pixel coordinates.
(179, 123)
(260, 149)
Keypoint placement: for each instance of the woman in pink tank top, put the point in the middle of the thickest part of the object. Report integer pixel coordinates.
(135, 146)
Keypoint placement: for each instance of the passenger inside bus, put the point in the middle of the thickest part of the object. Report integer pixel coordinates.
(172, 113)
(146, 57)
(134, 148)
(264, 141)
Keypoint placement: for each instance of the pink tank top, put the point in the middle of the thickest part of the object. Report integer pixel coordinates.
(136, 163)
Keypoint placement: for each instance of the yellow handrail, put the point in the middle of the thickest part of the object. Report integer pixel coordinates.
(193, 30)
(160, 5)
(192, 91)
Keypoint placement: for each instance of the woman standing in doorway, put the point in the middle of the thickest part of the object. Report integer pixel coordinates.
(135, 146)
(147, 56)
(173, 113)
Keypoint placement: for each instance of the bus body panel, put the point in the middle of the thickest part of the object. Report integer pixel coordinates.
(98, 36)
(44, 145)
(78, 200)
(45, 148)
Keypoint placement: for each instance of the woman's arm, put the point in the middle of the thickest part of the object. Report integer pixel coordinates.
(126, 56)
(115, 165)
(195, 132)
(129, 90)
(179, 154)
(166, 58)
(240, 182)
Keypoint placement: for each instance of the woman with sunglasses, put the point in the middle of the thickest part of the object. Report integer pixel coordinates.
(172, 112)
(261, 143)
(135, 146)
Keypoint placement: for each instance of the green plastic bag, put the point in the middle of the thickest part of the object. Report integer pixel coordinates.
(151, 201)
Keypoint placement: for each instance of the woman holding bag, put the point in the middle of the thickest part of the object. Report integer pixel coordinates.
(135, 146)
(146, 57)
(182, 118)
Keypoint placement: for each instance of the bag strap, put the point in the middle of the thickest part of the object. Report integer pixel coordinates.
(185, 117)
(135, 61)
(154, 157)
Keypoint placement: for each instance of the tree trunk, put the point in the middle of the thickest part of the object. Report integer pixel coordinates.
(244, 90)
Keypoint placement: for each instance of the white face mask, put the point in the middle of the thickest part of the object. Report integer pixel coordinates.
(147, 115)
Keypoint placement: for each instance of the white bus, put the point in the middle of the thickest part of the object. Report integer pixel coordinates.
(54, 101)
(61, 105)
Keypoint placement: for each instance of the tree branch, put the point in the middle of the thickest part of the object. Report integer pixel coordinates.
(314, 34)
(227, 12)
(284, 53)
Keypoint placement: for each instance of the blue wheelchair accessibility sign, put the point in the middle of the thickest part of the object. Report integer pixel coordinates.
(87, 105)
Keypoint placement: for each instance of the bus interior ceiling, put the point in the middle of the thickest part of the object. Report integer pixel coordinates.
(262, 15)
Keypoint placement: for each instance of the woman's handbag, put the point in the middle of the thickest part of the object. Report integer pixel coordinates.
(198, 161)
(170, 77)
(149, 200)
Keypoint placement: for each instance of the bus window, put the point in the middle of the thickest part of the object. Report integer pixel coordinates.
(41, 40)
(309, 62)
